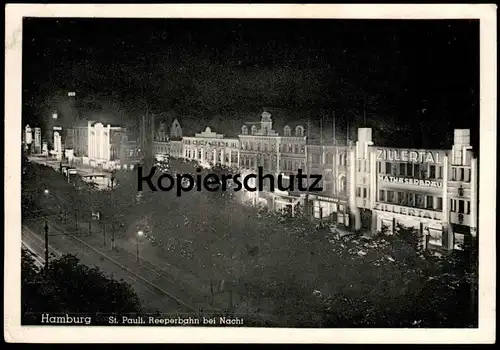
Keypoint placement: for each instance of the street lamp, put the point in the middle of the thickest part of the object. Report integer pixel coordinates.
(139, 234)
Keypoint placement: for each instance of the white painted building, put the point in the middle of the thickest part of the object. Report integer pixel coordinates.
(103, 144)
(210, 148)
(434, 191)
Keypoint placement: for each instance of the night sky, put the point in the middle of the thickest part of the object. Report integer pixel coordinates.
(420, 77)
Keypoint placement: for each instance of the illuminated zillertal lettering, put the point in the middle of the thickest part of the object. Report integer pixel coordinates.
(426, 214)
(396, 155)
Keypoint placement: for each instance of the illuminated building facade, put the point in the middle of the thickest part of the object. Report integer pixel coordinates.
(434, 191)
(104, 144)
(331, 162)
(210, 148)
(262, 146)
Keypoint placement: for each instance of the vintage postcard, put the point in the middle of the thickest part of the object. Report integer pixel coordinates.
(250, 173)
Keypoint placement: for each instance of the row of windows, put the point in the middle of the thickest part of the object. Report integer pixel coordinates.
(299, 130)
(265, 147)
(460, 206)
(460, 174)
(361, 192)
(212, 143)
(421, 171)
(409, 199)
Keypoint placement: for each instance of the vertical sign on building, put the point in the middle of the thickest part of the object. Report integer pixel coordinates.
(38, 140)
(28, 137)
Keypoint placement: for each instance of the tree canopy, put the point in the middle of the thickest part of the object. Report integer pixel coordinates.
(71, 287)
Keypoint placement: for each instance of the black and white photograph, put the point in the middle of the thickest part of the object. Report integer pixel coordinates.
(183, 170)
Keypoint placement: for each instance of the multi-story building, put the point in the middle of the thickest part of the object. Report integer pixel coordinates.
(77, 139)
(104, 144)
(129, 153)
(434, 191)
(262, 146)
(146, 138)
(210, 148)
(331, 162)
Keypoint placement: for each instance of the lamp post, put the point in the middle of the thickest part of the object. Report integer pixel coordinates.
(139, 234)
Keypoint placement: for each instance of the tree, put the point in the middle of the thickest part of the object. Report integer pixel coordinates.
(71, 287)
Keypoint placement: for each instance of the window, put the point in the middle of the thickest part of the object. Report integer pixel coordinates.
(416, 170)
(402, 169)
(429, 202)
(468, 207)
(467, 174)
(265, 147)
(411, 199)
(296, 148)
(419, 201)
(381, 195)
(461, 205)
(366, 165)
(432, 172)
(461, 174)
(390, 196)
(409, 169)
(399, 197)
(453, 205)
(439, 203)
(329, 158)
(365, 192)
(388, 167)
(440, 172)
(379, 164)
(258, 147)
(358, 192)
(454, 174)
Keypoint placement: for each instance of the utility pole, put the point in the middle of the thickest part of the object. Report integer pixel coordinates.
(46, 229)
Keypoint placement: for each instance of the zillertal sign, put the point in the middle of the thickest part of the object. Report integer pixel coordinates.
(416, 212)
(398, 155)
(410, 181)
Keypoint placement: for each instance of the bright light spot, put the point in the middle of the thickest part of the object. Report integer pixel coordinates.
(71, 94)
(140, 233)
(46, 191)
(54, 115)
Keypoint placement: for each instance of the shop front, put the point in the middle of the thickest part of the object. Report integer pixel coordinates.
(285, 204)
(427, 223)
(330, 209)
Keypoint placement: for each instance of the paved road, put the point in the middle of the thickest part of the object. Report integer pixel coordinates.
(153, 298)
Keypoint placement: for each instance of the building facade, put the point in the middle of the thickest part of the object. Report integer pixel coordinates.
(104, 144)
(78, 140)
(331, 162)
(433, 191)
(210, 148)
(262, 146)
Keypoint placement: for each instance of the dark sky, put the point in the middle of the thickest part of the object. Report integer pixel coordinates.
(415, 74)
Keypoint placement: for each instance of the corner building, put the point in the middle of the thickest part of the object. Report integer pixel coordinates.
(434, 191)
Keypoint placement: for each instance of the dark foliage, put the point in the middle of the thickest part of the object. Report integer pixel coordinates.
(71, 287)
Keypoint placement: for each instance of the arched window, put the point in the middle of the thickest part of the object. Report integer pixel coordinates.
(342, 185)
(254, 129)
(287, 130)
(244, 130)
(299, 131)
